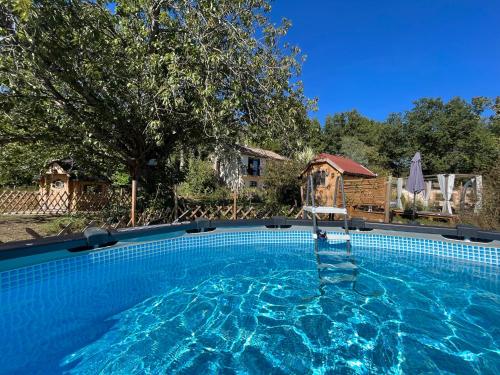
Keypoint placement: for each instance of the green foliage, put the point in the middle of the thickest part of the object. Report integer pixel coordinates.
(282, 182)
(201, 180)
(120, 178)
(351, 124)
(357, 150)
(249, 196)
(305, 156)
(394, 148)
(311, 137)
(494, 120)
(453, 137)
(489, 216)
(134, 84)
(22, 164)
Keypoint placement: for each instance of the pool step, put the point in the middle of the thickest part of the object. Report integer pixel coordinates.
(337, 279)
(338, 266)
(333, 253)
(335, 236)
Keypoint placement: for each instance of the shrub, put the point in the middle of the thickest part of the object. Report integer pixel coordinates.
(489, 216)
(282, 182)
(201, 179)
(251, 195)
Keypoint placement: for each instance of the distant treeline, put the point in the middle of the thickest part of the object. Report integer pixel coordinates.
(455, 136)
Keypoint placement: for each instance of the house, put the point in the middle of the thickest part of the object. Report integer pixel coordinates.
(327, 168)
(254, 162)
(63, 183)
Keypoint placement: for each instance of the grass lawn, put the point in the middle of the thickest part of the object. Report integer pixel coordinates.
(13, 228)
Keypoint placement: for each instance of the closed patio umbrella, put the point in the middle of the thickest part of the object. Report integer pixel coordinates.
(415, 182)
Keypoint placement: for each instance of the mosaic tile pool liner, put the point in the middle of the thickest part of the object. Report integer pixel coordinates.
(483, 254)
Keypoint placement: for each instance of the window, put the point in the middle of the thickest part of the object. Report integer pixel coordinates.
(253, 167)
(253, 183)
(58, 184)
(320, 178)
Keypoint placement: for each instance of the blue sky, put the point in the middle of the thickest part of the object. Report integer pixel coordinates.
(378, 56)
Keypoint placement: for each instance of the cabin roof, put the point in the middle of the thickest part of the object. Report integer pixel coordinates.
(342, 164)
(259, 152)
(73, 170)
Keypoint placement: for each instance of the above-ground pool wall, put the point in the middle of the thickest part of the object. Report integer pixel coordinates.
(408, 238)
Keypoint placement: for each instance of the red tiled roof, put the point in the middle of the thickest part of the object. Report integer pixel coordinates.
(345, 165)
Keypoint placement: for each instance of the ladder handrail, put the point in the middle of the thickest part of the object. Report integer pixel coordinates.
(346, 227)
(315, 224)
(304, 213)
(310, 195)
(337, 180)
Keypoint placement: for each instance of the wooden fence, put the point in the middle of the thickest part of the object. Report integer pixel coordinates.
(14, 202)
(368, 198)
(185, 211)
(192, 211)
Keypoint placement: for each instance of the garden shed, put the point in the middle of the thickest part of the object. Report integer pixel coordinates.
(63, 184)
(366, 194)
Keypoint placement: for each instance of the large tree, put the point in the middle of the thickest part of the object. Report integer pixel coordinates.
(452, 136)
(350, 124)
(134, 80)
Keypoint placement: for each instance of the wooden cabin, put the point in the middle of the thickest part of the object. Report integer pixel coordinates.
(63, 184)
(366, 195)
(327, 168)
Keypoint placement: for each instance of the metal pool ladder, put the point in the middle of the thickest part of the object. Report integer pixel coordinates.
(313, 209)
(343, 269)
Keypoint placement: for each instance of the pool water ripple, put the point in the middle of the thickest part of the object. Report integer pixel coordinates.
(256, 310)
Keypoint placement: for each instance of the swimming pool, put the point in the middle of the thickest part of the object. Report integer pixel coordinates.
(252, 302)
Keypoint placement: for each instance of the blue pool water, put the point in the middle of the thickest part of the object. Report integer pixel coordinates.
(253, 309)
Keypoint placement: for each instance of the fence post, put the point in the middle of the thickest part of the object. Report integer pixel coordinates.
(387, 207)
(235, 197)
(134, 201)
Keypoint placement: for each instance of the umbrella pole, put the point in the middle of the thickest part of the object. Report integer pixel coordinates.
(414, 205)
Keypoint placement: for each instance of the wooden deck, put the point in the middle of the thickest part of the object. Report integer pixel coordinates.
(433, 216)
